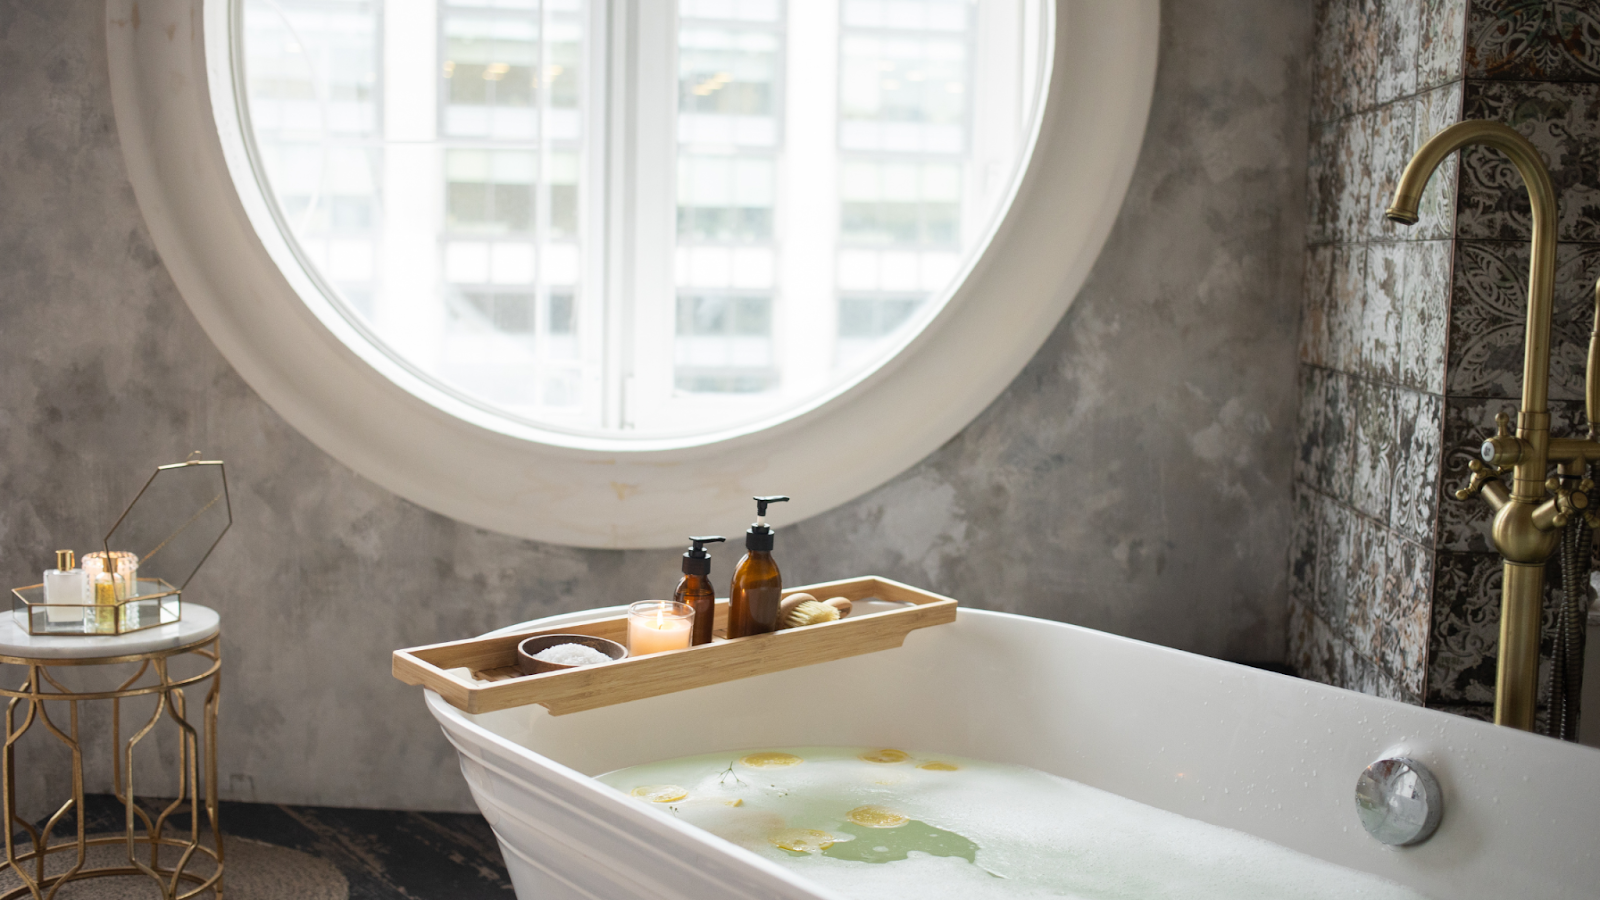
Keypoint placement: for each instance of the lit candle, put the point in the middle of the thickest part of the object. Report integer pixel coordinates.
(657, 625)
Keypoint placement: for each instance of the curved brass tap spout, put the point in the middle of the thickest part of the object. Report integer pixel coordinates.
(1527, 522)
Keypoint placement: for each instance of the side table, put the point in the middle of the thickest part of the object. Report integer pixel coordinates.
(191, 643)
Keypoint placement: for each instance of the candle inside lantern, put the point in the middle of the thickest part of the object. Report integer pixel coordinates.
(657, 625)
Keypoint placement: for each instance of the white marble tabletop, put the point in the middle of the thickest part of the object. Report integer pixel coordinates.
(198, 623)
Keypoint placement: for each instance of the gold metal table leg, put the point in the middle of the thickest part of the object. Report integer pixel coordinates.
(28, 705)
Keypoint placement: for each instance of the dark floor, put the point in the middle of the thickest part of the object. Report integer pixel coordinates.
(383, 854)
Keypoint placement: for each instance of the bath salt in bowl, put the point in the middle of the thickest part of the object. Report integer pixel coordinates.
(554, 652)
(571, 655)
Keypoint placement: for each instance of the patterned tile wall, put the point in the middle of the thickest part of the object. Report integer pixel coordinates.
(1387, 75)
(1412, 338)
(1536, 67)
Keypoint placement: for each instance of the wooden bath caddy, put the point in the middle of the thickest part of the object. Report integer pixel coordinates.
(499, 684)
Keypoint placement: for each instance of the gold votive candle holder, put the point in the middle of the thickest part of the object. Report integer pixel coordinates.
(113, 578)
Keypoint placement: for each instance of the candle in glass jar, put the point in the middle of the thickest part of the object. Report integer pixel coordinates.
(657, 625)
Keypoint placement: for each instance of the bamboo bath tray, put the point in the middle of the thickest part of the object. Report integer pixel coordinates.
(494, 659)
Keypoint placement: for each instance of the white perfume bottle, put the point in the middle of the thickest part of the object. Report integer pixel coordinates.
(68, 586)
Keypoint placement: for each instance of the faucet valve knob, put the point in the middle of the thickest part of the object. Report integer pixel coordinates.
(1482, 473)
(1569, 501)
(1505, 449)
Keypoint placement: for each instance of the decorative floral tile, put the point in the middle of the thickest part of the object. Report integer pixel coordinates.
(1563, 122)
(1466, 622)
(1308, 439)
(1424, 314)
(1439, 42)
(1345, 61)
(1404, 616)
(1346, 317)
(1326, 661)
(1368, 568)
(1483, 712)
(1353, 157)
(1303, 548)
(1375, 449)
(1301, 619)
(1360, 673)
(1337, 547)
(1390, 145)
(1434, 111)
(1336, 437)
(1534, 40)
(1398, 40)
(1577, 269)
(1324, 183)
(1488, 318)
(1419, 431)
(1316, 301)
(1391, 689)
(1464, 646)
(1378, 342)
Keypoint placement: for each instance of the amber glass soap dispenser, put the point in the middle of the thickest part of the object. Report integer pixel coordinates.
(753, 599)
(695, 588)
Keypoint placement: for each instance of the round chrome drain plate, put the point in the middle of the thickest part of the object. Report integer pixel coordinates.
(1399, 801)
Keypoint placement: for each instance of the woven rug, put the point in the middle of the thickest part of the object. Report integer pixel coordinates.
(255, 871)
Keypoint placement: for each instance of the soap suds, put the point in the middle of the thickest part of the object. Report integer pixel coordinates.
(947, 827)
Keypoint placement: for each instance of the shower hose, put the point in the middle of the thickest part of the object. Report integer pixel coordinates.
(1571, 618)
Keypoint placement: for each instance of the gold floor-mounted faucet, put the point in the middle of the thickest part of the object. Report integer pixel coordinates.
(1528, 516)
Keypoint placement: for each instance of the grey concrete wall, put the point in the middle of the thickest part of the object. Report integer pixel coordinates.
(1134, 478)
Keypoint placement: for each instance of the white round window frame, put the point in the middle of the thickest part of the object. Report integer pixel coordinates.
(209, 218)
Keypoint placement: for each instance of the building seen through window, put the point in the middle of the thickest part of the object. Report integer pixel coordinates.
(458, 176)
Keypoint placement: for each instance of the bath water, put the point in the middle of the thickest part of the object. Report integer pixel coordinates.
(883, 823)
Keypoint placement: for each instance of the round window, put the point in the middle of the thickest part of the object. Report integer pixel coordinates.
(765, 203)
(595, 271)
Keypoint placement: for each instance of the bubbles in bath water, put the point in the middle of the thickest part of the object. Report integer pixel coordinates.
(948, 828)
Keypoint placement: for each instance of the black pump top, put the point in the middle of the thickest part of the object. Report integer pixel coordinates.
(759, 536)
(696, 561)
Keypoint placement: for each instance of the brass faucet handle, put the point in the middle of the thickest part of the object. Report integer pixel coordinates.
(1505, 449)
(1569, 501)
(1482, 474)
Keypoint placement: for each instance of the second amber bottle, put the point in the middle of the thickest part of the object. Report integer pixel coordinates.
(757, 584)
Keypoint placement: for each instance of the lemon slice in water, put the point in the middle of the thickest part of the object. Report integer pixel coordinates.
(939, 767)
(801, 840)
(876, 817)
(659, 793)
(885, 756)
(770, 760)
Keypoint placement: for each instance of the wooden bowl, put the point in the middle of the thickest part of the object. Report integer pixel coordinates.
(528, 649)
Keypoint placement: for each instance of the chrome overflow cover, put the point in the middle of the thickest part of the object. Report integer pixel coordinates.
(1399, 801)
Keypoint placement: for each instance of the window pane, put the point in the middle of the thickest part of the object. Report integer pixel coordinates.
(449, 221)
(442, 170)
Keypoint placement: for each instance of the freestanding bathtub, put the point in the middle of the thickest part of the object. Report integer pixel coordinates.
(1266, 754)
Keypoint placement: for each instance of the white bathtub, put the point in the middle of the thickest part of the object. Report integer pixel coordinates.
(1266, 754)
